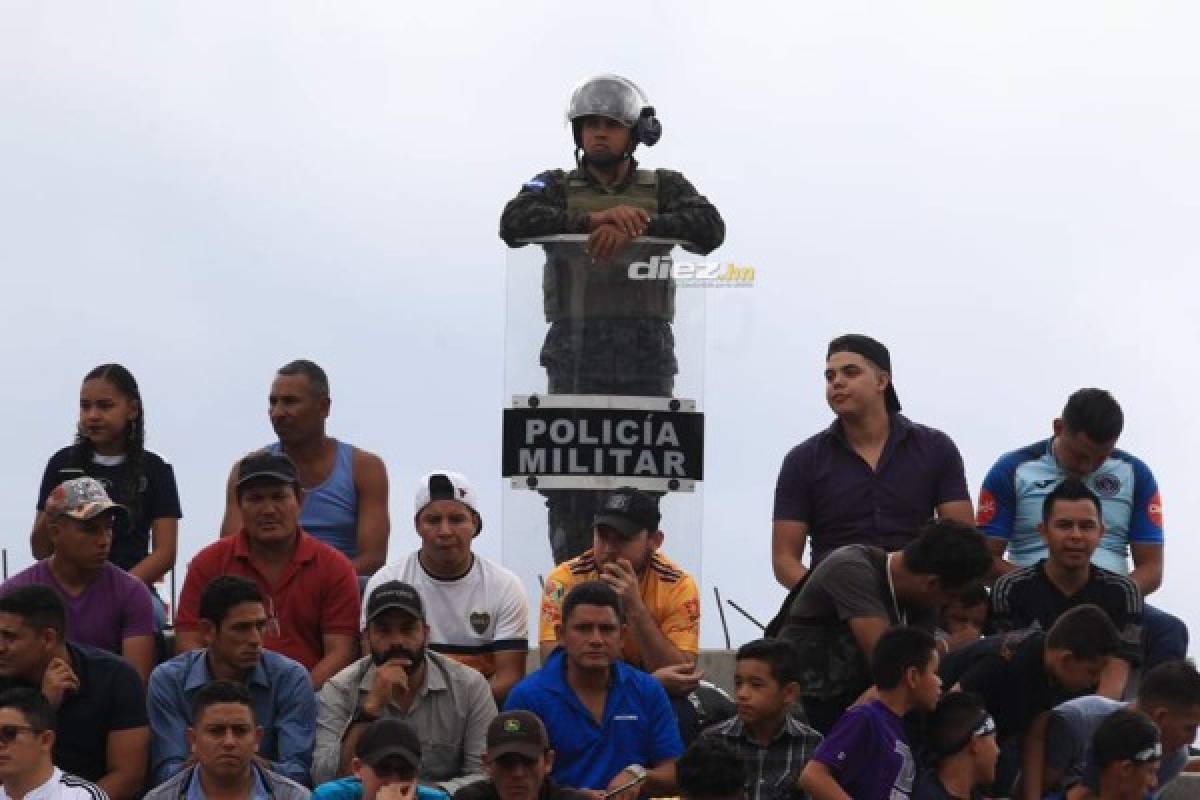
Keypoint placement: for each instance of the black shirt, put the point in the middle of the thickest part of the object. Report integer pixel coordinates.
(929, 787)
(157, 498)
(110, 698)
(1026, 596)
(1009, 672)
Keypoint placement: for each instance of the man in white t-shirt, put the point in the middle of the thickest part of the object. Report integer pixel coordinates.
(27, 770)
(477, 610)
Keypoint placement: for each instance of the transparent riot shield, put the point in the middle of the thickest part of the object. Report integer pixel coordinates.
(604, 381)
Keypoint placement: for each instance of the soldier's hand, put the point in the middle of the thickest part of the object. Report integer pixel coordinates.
(630, 220)
(57, 680)
(391, 683)
(605, 241)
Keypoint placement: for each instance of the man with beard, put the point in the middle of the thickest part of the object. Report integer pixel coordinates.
(660, 600)
(345, 488)
(478, 610)
(450, 705)
(608, 334)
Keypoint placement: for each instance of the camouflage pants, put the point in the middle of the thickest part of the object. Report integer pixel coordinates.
(605, 356)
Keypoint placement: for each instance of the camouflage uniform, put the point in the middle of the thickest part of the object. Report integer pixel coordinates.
(610, 354)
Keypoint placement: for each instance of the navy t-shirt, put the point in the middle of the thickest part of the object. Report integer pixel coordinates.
(1008, 671)
(157, 497)
(110, 698)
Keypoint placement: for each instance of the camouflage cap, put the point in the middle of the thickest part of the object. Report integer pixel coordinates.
(80, 498)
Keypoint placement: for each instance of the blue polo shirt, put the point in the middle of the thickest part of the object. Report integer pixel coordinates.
(639, 726)
(824, 483)
(280, 692)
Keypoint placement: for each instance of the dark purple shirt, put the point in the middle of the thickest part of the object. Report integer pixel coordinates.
(868, 755)
(824, 483)
(114, 607)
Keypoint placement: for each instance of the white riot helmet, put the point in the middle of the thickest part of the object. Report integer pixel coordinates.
(619, 99)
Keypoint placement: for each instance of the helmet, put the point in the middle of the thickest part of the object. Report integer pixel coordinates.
(616, 98)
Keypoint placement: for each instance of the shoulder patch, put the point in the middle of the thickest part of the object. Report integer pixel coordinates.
(538, 182)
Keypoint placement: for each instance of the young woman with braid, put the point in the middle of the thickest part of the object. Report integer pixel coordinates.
(110, 447)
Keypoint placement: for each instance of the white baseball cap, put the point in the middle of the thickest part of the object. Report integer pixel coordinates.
(442, 484)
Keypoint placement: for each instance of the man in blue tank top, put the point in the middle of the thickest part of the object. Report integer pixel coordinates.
(345, 488)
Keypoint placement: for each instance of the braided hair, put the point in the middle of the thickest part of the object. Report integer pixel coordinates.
(133, 470)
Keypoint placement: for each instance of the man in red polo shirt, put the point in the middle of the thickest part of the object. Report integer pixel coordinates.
(311, 588)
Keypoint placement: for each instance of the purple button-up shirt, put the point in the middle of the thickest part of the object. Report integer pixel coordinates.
(824, 483)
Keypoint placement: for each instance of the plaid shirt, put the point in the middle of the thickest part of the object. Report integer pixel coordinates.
(772, 772)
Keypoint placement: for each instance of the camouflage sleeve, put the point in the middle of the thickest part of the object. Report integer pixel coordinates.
(540, 209)
(685, 214)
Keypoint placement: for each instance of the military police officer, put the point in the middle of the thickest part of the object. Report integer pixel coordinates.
(608, 334)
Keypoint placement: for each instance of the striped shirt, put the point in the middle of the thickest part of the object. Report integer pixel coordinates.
(670, 595)
(62, 786)
(772, 772)
(1026, 596)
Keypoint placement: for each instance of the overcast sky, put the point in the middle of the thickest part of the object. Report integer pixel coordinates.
(1004, 193)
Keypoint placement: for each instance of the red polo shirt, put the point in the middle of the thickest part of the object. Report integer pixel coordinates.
(317, 594)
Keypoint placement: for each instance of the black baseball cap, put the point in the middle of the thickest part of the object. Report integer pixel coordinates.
(265, 464)
(389, 737)
(628, 511)
(395, 594)
(519, 732)
(874, 351)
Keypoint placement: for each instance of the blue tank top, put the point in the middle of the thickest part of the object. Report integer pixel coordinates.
(330, 511)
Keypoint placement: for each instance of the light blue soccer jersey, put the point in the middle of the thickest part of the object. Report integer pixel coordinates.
(1010, 504)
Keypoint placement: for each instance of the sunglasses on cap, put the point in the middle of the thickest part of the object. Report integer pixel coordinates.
(9, 733)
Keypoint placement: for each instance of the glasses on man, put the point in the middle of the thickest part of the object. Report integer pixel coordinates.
(9, 733)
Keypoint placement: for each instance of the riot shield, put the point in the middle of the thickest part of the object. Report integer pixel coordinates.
(604, 379)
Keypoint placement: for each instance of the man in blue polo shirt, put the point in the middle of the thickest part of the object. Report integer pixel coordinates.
(873, 477)
(609, 724)
(233, 617)
(1084, 446)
